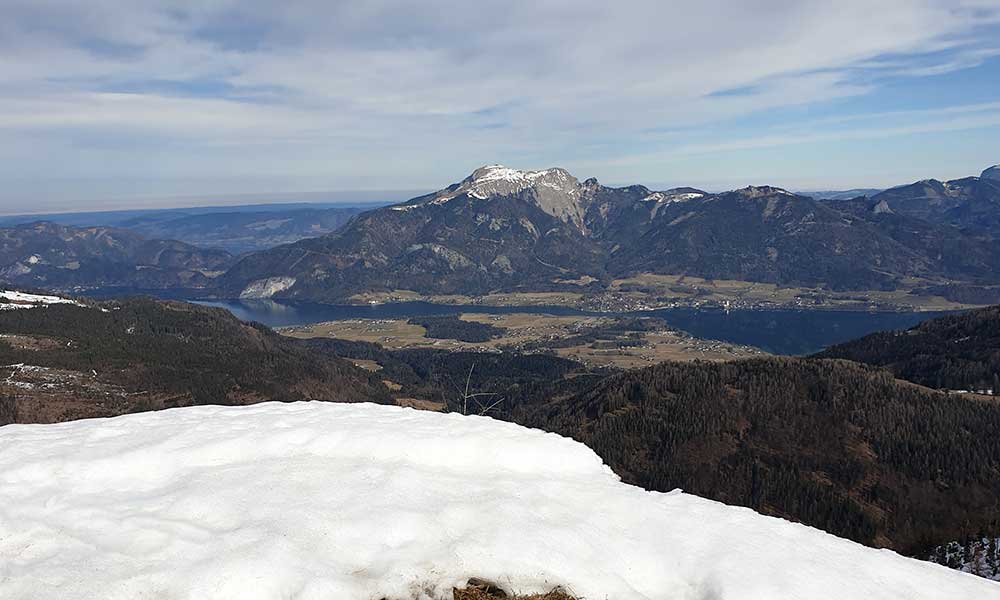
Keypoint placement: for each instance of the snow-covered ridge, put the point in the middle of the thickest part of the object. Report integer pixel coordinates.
(12, 300)
(991, 173)
(497, 180)
(335, 501)
(670, 197)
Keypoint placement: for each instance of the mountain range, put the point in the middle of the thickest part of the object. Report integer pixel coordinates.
(236, 229)
(48, 255)
(239, 232)
(503, 229)
(968, 203)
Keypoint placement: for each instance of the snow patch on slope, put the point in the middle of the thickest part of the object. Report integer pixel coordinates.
(498, 180)
(670, 197)
(336, 501)
(12, 300)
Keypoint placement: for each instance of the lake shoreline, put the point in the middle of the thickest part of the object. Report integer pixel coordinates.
(789, 331)
(515, 300)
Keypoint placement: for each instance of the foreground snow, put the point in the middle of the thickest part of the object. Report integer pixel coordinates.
(338, 501)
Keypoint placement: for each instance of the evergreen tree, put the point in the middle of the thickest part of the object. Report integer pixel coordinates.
(8, 409)
(955, 553)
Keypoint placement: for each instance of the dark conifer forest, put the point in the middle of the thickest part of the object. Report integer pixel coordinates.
(954, 352)
(450, 327)
(144, 354)
(837, 445)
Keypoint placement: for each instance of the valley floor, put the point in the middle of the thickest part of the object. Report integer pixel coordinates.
(536, 332)
(649, 291)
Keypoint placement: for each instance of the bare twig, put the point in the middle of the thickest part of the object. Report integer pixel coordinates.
(490, 407)
(474, 396)
(465, 397)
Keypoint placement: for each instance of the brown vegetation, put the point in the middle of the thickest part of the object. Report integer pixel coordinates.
(67, 362)
(478, 589)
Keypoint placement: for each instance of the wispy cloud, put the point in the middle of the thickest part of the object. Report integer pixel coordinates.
(357, 92)
(955, 118)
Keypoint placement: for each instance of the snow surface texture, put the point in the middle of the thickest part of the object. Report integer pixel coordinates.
(340, 501)
(497, 180)
(12, 300)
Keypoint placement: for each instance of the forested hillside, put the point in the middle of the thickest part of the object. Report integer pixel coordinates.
(840, 446)
(64, 362)
(440, 376)
(956, 352)
(450, 327)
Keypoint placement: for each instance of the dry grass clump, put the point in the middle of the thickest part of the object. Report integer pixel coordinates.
(484, 590)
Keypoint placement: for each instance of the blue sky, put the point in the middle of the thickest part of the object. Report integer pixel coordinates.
(115, 104)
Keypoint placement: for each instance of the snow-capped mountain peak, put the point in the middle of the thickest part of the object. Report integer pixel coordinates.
(554, 190)
(992, 173)
(497, 180)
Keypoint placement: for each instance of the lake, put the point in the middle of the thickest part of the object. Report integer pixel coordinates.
(780, 331)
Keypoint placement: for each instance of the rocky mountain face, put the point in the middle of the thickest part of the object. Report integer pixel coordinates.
(502, 229)
(969, 203)
(765, 234)
(970, 253)
(498, 227)
(47, 255)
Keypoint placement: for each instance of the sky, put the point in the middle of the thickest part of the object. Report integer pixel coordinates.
(134, 103)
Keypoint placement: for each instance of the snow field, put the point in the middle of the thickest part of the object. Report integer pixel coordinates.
(356, 501)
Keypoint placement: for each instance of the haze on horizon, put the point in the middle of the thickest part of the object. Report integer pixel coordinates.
(110, 104)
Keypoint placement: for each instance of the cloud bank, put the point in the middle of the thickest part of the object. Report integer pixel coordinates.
(385, 94)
